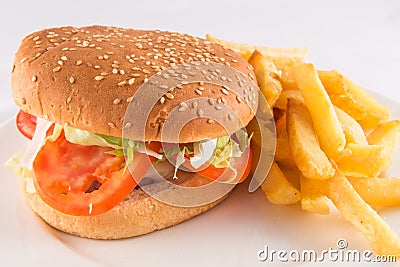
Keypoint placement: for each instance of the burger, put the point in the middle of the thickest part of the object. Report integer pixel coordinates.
(79, 172)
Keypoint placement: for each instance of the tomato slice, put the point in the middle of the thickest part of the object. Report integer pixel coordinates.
(26, 124)
(84, 180)
(242, 165)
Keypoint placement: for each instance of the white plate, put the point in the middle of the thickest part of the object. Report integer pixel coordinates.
(231, 234)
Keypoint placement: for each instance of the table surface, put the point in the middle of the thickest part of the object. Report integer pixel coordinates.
(359, 38)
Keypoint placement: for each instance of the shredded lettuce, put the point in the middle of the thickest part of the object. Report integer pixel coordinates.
(214, 151)
(86, 138)
(13, 164)
(230, 147)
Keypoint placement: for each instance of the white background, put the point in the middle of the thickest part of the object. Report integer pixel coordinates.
(359, 38)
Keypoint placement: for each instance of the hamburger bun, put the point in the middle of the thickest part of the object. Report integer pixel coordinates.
(138, 214)
(85, 78)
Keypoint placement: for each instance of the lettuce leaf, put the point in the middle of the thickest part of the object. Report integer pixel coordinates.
(86, 138)
(230, 147)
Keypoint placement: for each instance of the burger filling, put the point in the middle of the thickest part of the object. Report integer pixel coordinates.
(84, 174)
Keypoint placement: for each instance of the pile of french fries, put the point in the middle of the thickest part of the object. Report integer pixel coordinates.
(334, 142)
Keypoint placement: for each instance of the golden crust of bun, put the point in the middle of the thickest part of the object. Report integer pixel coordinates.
(138, 214)
(85, 77)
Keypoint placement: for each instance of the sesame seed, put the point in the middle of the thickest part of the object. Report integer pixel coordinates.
(114, 71)
(99, 78)
(131, 81)
(211, 121)
(116, 101)
(64, 58)
(36, 38)
(234, 61)
(111, 125)
(218, 107)
(145, 80)
(224, 91)
(230, 117)
(135, 75)
(60, 62)
(24, 59)
(200, 112)
(194, 104)
(96, 67)
(128, 125)
(211, 101)
(129, 99)
(58, 68)
(199, 92)
(34, 78)
(239, 99)
(146, 71)
(169, 96)
(71, 80)
(122, 72)
(100, 57)
(69, 99)
(122, 83)
(79, 62)
(162, 100)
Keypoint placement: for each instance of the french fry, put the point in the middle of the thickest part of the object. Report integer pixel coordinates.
(352, 99)
(385, 134)
(351, 128)
(355, 210)
(286, 66)
(282, 142)
(278, 189)
(364, 161)
(281, 103)
(245, 50)
(326, 123)
(291, 172)
(309, 158)
(377, 191)
(267, 77)
(313, 195)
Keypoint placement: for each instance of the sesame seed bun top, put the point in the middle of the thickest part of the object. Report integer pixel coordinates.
(86, 77)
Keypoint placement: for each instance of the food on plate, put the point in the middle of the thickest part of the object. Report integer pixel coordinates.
(74, 85)
(330, 133)
(354, 209)
(352, 99)
(278, 189)
(267, 76)
(307, 153)
(334, 142)
(246, 50)
(351, 128)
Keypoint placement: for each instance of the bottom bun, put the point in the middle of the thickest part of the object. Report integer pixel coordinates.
(138, 214)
